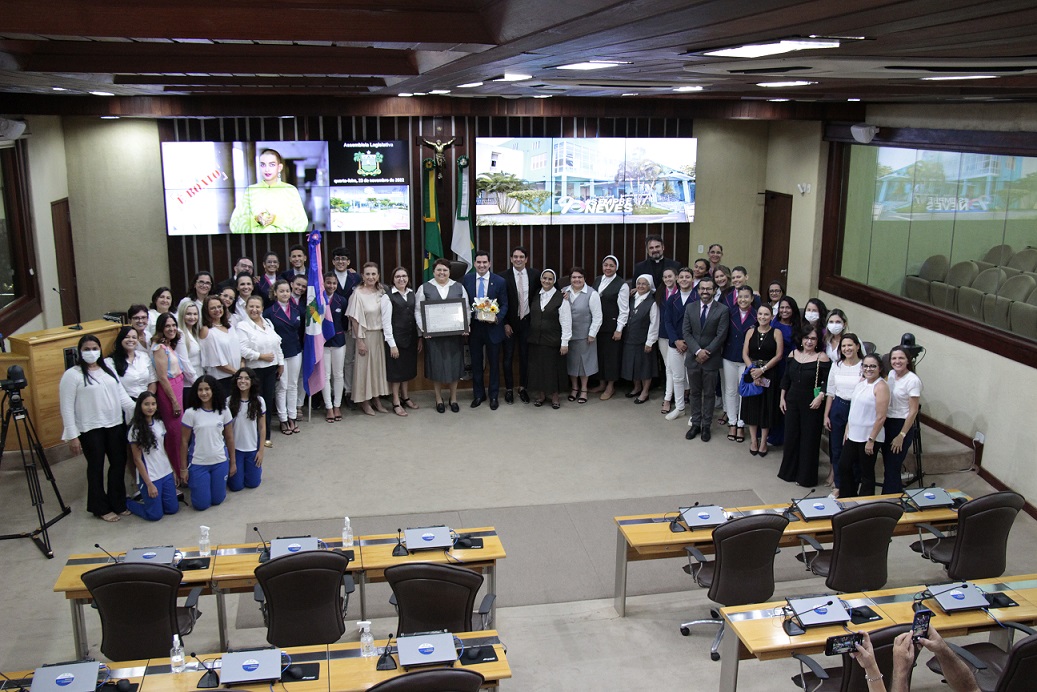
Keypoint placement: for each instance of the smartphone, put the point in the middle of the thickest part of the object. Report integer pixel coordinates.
(843, 644)
(920, 625)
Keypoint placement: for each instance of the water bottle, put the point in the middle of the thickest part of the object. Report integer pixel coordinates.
(176, 656)
(203, 542)
(366, 639)
(347, 535)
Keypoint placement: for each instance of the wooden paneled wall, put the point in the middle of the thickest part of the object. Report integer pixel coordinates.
(558, 247)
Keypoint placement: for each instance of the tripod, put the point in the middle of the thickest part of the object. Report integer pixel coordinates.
(15, 410)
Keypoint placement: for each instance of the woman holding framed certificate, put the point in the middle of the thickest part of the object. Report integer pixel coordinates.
(441, 311)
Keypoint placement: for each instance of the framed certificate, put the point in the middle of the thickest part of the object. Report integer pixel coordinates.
(445, 317)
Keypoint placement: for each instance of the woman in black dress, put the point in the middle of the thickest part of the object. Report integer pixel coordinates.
(550, 329)
(402, 344)
(444, 355)
(615, 304)
(802, 402)
(640, 364)
(762, 352)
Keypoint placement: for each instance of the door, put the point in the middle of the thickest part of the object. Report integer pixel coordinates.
(67, 285)
(777, 232)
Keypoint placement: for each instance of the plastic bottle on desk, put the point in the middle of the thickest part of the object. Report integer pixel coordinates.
(204, 549)
(347, 535)
(366, 639)
(176, 656)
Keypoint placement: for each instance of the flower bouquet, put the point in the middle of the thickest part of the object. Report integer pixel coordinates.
(485, 309)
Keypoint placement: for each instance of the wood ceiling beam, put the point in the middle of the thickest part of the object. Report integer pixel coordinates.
(240, 20)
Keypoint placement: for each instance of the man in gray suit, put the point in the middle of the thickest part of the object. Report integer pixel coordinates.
(705, 329)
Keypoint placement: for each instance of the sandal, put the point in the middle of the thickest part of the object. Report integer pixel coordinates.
(268, 444)
(294, 427)
(398, 410)
(740, 435)
(722, 420)
(111, 517)
(583, 397)
(572, 395)
(408, 403)
(666, 407)
(338, 414)
(732, 435)
(330, 418)
(538, 403)
(286, 429)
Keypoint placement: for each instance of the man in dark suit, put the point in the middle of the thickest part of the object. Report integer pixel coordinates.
(705, 329)
(519, 278)
(484, 284)
(655, 265)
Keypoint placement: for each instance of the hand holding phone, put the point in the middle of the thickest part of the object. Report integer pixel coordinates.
(920, 625)
(843, 643)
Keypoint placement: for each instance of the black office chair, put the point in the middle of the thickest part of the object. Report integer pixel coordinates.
(137, 605)
(438, 680)
(850, 676)
(301, 597)
(431, 597)
(990, 664)
(742, 570)
(857, 559)
(978, 548)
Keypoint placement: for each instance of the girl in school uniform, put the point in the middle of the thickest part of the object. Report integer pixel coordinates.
(154, 472)
(207, 465)
(248, 408)
(286, 316)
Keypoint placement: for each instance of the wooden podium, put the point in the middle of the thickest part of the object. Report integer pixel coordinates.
(42, 355)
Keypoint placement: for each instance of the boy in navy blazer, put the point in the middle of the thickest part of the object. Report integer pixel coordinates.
(489, 335)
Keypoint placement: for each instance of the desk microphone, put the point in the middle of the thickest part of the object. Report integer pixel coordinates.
(918, 602)
(790, 626)
(675, 526)
(265, 555)
(400, 550)
(795, 502)
(22, 689)
(61, 291)
(114, 559)
(385, 661)
(210, 679)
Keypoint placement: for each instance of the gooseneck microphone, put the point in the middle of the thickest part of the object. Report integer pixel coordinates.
(386, 661)
(211, 678)
(60, 291)
(795, 501)
(265, 555)
(675, 526)
(910, 497)
(114, 559)
(399, 550)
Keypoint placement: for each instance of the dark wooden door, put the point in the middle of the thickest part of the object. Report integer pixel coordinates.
(777, 232)
(66, 261)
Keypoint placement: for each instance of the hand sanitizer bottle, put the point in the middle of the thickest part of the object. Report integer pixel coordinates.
(176, 656)
(347, 535)
(203, 542)
(366, 639)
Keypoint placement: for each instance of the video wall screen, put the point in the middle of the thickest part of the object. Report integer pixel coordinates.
(552, 181)
(215, 188)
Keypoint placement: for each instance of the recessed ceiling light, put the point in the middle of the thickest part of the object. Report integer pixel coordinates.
(542, 96)
(592, 65)
(785, 84)
(419, 93)
(508, 77)
(286, 117)
(469, 85)
(102, 93)
(109, 117)
(439, 91)
(853, 100)
(759, 50)
(634, 93)
(778, 100)
(952, 78)
(406, 94)
(688, 88)
(58, 89)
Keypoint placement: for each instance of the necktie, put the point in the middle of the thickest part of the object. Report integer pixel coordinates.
(482, 287)
(702, 316)
(523, 295)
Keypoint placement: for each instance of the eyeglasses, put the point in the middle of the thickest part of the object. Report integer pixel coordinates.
(140, 318)
(809, 338)
(203, 283)
(869, 367)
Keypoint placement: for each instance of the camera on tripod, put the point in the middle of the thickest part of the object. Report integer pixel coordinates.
(13, 386)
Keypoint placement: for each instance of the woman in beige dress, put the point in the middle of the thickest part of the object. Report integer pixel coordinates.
(365, 314)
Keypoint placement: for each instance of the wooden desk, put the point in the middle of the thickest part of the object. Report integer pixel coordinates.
(648, 536)
(350, 672)
(160, 678)
(376, 552)
(70, 583)
(134, 671)
(756, 631)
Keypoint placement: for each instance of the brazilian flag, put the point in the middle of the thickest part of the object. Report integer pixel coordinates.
(433, 236)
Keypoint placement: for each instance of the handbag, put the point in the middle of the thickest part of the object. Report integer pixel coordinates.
(817, 376)
(748, 388)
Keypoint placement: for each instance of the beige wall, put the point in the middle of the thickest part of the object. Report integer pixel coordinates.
(118, 218)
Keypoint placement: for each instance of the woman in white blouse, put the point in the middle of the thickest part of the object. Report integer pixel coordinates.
(188, 318)
(132, 367)
(585, 309)
(869, 403)
(905, 391)
(261, 349)
(842, 378)
(221, 350)
(402, 344)
(92, 407)
(639, 362)
(161, 302)
(550, 330)
(246, 287)
(137, 316)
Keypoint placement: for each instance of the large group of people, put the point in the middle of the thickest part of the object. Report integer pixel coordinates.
(194, 389)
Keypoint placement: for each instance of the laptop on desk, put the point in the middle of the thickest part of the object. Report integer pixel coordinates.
(426, 649)
(66, 677)
(703, 516)
(250, 666)
(815, 611)
(158, 555)
(288, 546)
(428, 538)
(818, 508)
(957, 597)
(929, 498)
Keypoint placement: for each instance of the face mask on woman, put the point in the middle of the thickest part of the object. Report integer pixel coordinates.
(90, 357)
(835, 327)
(811, 316)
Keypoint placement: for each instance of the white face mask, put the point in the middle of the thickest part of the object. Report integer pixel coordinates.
(835, 327)
(811, 316)
(90, 357)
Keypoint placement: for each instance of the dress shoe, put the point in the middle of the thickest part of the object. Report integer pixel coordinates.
(509, 397)
(675, 414)
(692, 433)
(476, 401)
(494, 404)
(524, 395)
(441, 407)
(454, 407)
(706, 434)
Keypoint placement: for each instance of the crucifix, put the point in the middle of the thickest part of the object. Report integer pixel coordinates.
(438, 147)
